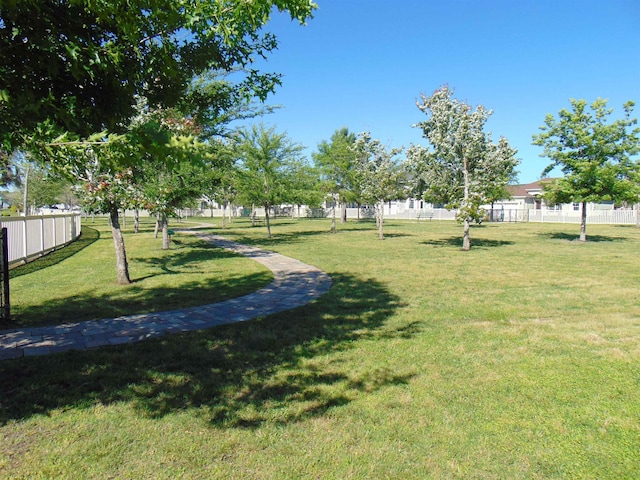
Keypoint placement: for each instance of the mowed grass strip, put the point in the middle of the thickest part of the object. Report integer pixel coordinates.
(518, 359)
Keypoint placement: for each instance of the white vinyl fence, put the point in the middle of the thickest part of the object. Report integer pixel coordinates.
(30, 237)
(401, 212)
(611, 217)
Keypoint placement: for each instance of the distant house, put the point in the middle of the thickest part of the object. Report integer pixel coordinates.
(529, 197)
(526, 204)
(523, 197)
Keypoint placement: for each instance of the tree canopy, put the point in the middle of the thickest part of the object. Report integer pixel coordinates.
(79, 65)
(594, 154)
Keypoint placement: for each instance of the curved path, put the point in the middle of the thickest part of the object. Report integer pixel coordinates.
(295, 284)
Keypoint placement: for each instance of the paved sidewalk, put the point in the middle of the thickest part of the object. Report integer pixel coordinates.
(295, 284)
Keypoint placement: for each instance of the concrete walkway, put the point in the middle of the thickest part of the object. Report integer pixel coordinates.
(295, 284)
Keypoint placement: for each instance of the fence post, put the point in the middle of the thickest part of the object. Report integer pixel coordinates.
(25, 244)
(4, 267)
(42, 233)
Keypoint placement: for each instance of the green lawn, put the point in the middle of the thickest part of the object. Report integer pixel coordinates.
(518, 359)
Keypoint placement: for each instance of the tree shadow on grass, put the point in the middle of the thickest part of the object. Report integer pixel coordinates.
(206, 287)
(475, 242)
(176, 259)
(269, 370)
(572, 237)
(87, 237)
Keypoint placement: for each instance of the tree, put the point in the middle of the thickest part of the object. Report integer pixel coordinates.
(378, 175)
(110, 173)
(108, 192)
(265, 161)
(595, 156)
(166, 189)
(464, 168)
(335, 160)
(44, 187)
(303, 185)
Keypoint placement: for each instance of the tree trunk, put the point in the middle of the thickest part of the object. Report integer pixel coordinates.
(157, 227)
(266, 217)
(224, 214)
(136, 220)
(343, 212)
(466, 238)
(583, 222)
(380, 215)
(122, 266)
(166, 240)
(333, 220)
(637, 215)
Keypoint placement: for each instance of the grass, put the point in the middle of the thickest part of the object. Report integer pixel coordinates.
(518, 359)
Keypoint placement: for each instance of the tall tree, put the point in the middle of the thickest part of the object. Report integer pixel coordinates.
(336, 162)
(378, 174)
(265, 164)
(463, 168)
(595, 155)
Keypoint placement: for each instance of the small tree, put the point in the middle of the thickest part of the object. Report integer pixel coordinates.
(304, 185)
(464, 168)
(595, 156)
(164, 190)
(265, 160)
(335, 161)
(104, 191)
(378, 175)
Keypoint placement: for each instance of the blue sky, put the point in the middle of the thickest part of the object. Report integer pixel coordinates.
(364, 63)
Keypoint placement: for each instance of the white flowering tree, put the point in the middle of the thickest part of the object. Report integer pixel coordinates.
(462, 168)
(378, 174)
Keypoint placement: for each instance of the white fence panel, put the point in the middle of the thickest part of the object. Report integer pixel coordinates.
(30, 237)
(610, 217)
